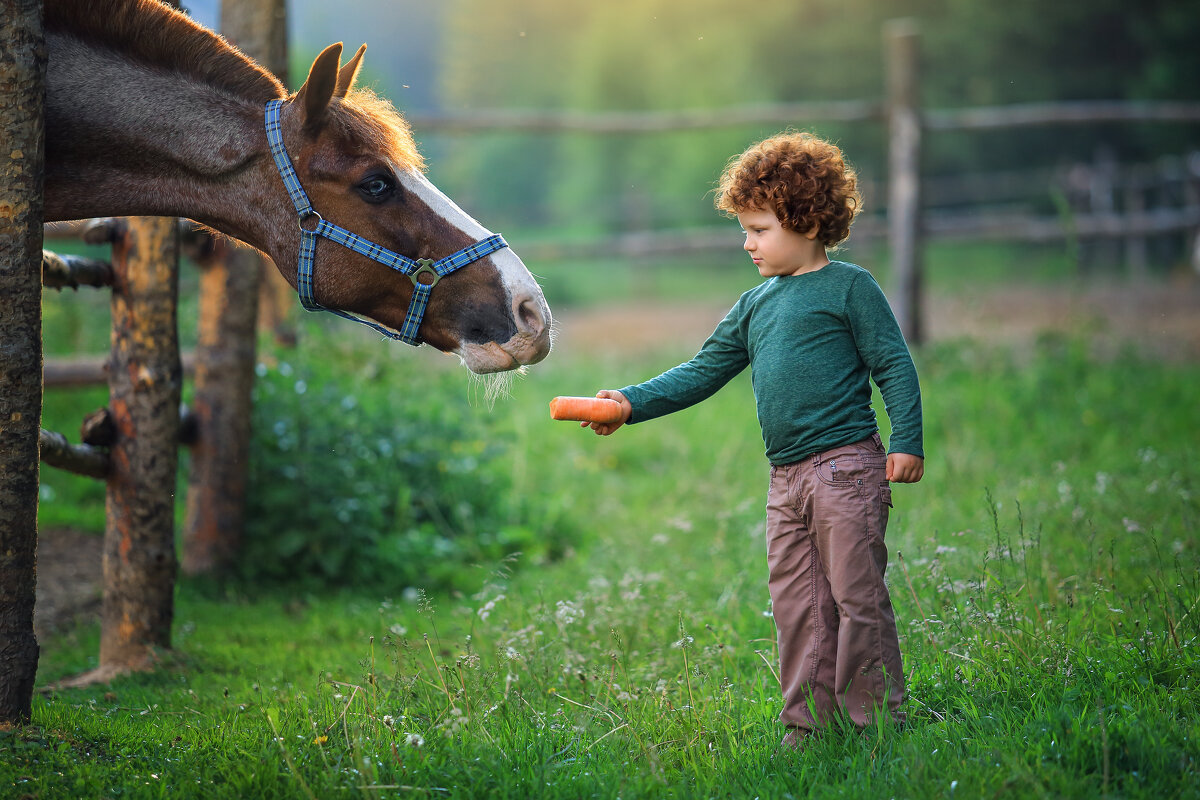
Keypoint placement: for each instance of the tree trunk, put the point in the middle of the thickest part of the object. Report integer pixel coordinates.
(259, 29)
(22, 85)
(221, 408)
(145, 378)
(237, 285)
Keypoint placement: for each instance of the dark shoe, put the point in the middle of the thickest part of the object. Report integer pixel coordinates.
(795, 738)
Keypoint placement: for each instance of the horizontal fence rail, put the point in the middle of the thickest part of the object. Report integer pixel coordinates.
(968, 119)
(1065, 113)
(616, 122)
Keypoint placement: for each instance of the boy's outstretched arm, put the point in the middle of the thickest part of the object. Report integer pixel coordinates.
(904, 468)
(606, 428)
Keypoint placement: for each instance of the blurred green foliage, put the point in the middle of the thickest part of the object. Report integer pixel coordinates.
(376, 471)
(666, 55)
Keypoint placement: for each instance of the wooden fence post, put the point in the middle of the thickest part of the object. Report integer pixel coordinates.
(904, 172)
(145, 377)
(22, 174)
(236, 284)
(222, 407)
(259, 29)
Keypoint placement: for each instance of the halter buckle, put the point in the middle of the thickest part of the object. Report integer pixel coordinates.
(306, 216)
(425, 266)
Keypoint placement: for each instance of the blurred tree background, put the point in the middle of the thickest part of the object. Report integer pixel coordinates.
(458, 55)
(667, 54)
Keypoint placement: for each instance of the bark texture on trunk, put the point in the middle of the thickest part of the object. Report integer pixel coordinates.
(145, 377)
(22, 174)
(221, 408)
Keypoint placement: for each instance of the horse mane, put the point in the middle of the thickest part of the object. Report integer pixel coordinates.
(160, 36)
(364, 116)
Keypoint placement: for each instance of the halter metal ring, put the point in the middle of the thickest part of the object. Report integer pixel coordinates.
(425, 266)
(307, 215)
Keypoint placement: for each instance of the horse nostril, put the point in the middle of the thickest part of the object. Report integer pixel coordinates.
(529, 316)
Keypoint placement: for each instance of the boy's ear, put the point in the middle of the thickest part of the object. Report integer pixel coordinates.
(812, 234)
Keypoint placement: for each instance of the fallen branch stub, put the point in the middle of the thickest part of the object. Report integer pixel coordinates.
(71, 272)
(98, 429)
(104, 230)
(82, 459)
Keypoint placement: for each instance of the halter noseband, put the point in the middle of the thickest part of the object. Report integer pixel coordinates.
(413, 268)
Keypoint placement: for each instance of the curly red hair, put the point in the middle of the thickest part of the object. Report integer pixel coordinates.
(802, 178)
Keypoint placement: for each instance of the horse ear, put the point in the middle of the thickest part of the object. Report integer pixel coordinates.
(317, 91)
(348, 73)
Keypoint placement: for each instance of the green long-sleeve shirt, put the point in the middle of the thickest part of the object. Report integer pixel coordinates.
(813, 342)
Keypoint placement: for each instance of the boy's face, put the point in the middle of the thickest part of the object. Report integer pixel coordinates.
(777, 251)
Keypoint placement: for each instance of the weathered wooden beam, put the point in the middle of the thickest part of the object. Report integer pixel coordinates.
(1021, 227)
(1025, 115)
(81, 459)
(71, 272)
(62, 373)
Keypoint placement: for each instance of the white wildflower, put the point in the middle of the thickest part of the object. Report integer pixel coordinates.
(414, 740)
(567, 612)
(486, 609)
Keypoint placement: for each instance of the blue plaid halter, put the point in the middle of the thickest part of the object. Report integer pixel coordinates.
(415, 269)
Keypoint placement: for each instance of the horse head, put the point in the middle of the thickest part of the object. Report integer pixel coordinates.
(355, 158)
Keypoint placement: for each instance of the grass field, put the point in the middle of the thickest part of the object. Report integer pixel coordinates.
(1044, 575)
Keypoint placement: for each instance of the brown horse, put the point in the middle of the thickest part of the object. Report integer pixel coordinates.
(148, 113)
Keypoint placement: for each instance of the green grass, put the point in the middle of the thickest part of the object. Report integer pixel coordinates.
(1044, 575)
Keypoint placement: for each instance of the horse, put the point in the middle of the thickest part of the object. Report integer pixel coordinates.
(150, 114)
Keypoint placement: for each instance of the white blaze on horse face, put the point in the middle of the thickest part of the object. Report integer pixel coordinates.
(526, 303)
(517, 279)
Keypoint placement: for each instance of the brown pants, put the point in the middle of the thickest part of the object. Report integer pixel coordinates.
(838, 647)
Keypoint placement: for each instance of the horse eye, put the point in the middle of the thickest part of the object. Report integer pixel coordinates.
(377, 187)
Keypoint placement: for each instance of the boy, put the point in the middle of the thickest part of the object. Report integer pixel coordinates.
(815, 334)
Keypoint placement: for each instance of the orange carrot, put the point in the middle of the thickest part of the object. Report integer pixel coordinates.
(585, 409)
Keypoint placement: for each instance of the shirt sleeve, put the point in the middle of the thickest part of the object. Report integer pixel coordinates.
(882, 347)
(721, 358)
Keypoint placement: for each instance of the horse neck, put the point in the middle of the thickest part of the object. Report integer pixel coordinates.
(125, 139)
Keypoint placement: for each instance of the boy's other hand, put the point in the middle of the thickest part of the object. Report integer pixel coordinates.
(605, 428)
(905, 468)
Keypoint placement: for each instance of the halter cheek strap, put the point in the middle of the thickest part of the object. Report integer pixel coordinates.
(424, 272)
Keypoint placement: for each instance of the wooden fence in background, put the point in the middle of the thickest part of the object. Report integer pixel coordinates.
(132, 444)
(1113, 206)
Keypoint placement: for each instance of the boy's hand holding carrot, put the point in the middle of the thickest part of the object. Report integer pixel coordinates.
(604, 413)
(606, 428)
